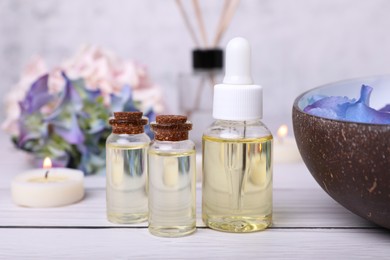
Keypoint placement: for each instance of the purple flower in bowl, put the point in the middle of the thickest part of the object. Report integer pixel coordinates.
(345, 143)
(344, 108)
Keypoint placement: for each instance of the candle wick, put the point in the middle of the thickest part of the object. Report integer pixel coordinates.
(46, 174)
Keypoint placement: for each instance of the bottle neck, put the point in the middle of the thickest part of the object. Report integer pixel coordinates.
(238, 122)
(124, 134)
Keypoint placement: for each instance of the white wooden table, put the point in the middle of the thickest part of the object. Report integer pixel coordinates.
(307, 224)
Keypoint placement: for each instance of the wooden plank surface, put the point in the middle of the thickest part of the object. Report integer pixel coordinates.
(204, 244)
(292, 208)
(307, 224)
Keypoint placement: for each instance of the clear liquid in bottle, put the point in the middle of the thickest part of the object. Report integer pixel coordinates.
(237, 184)
(127, 200)
(172, 193)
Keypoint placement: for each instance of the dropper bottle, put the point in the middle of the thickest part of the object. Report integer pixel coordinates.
(237, 151)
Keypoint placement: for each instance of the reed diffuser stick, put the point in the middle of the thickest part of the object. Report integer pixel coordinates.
(187, 22)
(221, 21)
(199, 18)
(226, 21)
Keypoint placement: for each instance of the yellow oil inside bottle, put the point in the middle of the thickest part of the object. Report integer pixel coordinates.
(172, 191)
(126, 178)
(237, 184)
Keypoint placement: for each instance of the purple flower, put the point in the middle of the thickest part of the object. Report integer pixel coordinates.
(123, 101)
(151, 115)
(343, 108)
(37, 96)
(31, 123)
(64, 118)
(334, 107)
(74, 131)
(64, 114)
(385, 108)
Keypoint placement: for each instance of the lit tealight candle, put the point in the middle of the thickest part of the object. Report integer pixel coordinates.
(285, 148)
(48, 187)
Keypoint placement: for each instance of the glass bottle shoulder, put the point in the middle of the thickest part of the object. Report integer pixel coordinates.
(237, 130)
(126, 140)
(173, 147)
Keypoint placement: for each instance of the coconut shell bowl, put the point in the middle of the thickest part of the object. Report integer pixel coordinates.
(349, 160)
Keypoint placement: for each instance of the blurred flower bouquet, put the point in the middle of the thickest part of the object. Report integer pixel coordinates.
(63, 113)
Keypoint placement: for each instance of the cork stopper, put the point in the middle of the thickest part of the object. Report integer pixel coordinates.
(171, 128)
(128, 123)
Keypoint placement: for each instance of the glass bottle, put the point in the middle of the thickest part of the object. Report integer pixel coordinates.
(172, 178)
(237, 176)
(237, 151)
(126, 169)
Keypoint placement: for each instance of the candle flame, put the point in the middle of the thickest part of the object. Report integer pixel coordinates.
(47, 163)
(282, 131)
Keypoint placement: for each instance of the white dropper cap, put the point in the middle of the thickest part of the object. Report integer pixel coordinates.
(237, 98)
